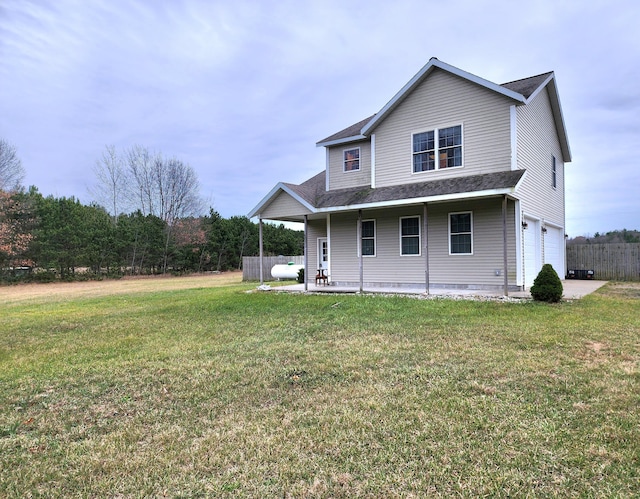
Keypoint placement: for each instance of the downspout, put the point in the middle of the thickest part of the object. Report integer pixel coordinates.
(359, 245)
(504, 245)
(261, 250)
(426, 250)
(306, 252)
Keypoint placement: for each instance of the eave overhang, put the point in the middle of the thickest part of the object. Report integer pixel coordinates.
(273, 193)
(421, 75)
(366, 198)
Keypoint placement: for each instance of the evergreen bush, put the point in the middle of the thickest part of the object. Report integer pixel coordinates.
(301, 276)
(547, 285)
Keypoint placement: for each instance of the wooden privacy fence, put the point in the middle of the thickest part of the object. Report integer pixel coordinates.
(251, 266)
(610, 262)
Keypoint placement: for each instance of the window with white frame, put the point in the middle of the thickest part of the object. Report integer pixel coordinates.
(351, 159)
(368, 241)
(410, 235)
(461, 233)
(437, 149)
(554, 175)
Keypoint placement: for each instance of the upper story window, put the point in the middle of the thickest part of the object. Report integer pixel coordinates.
(351, 158)
(461, 233)
(554, 174)
(437, 149)
(368, 238)
(410, 235)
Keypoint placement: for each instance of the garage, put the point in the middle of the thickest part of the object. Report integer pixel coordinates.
(554, 249)
(532, 250)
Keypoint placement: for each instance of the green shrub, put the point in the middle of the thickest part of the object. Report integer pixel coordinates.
(547, 285)
(301, 276)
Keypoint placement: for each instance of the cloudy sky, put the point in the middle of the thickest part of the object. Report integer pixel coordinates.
(242, 90)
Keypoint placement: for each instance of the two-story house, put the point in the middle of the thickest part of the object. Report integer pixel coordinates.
(456, 182)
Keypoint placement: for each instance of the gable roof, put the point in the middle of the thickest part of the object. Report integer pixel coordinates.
(313, 195)
(349, 134)
(521, 91)
(527, 86)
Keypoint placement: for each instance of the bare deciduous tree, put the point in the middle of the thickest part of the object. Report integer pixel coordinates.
(111, 187)
(11, 169)
(151, 183)
(141, 185)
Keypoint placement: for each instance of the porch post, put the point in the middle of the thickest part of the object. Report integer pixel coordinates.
(306, 253)
(504, 246)
(359, 245)
(426, 249)
(261, 250)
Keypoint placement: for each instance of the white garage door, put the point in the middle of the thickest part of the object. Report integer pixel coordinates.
(554, 250)
(532, 260)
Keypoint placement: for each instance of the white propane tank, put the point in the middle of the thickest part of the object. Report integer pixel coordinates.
(286, 271)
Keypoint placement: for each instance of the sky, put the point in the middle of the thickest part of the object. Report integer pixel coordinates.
(242, 90)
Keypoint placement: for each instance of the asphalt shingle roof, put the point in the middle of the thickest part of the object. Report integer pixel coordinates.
(313, 190)
(527, 86)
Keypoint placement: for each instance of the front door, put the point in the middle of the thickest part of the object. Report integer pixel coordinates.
(323, 254)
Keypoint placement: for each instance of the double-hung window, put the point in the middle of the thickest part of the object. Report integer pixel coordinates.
(351, 159)
(437, 149)
(410, 235)
(368, 243)
(461, 233)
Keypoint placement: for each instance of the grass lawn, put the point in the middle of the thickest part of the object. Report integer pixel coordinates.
(205, 390)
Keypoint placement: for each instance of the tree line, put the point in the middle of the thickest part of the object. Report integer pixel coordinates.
(149, 221)
(614, 236)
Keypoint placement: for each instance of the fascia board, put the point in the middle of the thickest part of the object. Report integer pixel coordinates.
(426, 199)
(428, 68)
(345, 140)
(280, 187)
(540, 88)
(558, 115)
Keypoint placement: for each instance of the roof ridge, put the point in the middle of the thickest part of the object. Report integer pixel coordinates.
(526, 78)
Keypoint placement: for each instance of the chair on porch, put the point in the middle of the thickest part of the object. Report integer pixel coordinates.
(322, 277)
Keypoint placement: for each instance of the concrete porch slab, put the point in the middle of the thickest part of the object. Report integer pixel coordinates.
(573, 289)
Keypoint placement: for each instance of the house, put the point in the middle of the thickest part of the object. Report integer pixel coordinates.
(457, 182)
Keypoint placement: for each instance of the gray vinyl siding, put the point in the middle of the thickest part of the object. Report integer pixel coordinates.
(444, 100)
(283, 206)
(390, 268)
(537, 142)
(338, 178)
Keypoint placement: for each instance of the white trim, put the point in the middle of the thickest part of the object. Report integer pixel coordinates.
(326, 169)
(329, 242)
(519, 246)
(319, 252)
(419, 253)
(393, 203)
(421, 75)
(344, 170)
(353, 138)
(375, 239)
(513, 118)
(279, 187)
(558, 115)
(426, 199)
(436, 140)
(540, 88)
(470, 233)
(373, 160)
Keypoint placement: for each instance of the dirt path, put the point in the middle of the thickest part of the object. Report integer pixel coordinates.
(61, 291)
